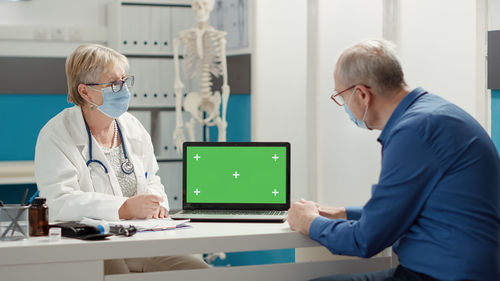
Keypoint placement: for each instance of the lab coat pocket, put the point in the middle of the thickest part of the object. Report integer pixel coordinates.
(100, 180)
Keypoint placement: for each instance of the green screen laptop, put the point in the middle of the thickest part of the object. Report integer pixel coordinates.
(235, 181)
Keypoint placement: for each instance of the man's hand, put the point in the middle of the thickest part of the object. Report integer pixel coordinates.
(142, 206)
(301, 215)
(332, 212)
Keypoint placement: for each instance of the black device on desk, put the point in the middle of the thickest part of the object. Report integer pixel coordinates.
(80, 231)
(89, 232)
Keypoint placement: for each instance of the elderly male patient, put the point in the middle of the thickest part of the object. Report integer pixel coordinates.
(436, 202)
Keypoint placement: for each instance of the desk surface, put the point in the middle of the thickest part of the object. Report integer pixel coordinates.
(40, 259)
(200, 238)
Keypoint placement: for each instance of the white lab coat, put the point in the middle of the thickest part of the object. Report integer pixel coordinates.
(62, 176)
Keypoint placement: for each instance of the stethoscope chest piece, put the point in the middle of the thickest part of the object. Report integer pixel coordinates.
(127, 167)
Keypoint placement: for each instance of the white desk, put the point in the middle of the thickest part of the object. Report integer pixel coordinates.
(71, 259)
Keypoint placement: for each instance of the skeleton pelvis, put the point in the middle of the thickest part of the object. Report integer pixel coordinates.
(197, 104)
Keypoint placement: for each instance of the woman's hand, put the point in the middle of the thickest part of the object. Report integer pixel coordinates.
(142, 206)
(162, 213)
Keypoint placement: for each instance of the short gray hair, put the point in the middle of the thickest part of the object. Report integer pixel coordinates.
(373, 63)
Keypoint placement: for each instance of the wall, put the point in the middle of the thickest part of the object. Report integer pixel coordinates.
(279, 73)
(493, 14)
(445, 51)
(347, 157)
(441, 47)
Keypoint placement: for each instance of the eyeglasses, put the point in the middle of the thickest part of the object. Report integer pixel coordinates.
(117, 85)
(338, 99)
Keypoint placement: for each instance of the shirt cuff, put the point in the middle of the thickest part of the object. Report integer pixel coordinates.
(353, 213)
(317, 227)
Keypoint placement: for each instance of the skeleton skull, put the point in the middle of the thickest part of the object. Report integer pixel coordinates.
(202, 9)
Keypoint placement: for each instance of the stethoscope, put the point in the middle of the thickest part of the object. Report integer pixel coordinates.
(127, 166)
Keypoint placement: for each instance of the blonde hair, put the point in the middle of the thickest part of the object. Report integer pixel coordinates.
(86, 64)
(373, 63)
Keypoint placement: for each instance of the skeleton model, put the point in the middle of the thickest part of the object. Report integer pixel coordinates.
(204, 55)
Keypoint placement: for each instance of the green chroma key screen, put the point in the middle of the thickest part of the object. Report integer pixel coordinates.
(236, 174)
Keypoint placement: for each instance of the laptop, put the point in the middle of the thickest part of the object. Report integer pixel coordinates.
(235, 181)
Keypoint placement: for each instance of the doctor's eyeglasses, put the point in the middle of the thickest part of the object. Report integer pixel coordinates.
(117, 85)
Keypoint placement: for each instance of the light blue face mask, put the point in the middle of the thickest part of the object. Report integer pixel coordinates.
(359, 123)
(114, 104)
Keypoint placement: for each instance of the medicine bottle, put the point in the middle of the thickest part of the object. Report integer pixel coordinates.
(39, 217)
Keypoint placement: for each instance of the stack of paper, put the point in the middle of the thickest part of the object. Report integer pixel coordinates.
(151, 224)
(140, 225)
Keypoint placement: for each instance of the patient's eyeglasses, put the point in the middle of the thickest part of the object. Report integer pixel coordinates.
(339, 99)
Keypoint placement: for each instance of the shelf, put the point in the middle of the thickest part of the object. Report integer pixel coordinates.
(151, 108)
(17, 172)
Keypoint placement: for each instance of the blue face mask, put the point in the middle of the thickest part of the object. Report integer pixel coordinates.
(115, 104)
(359, 123)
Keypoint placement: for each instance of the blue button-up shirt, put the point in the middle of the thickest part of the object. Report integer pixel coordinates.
(437, 199)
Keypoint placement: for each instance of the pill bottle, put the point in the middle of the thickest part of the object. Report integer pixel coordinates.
(39, 217)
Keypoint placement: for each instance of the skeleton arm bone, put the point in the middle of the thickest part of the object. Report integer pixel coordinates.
(225, 90)
(179, 137)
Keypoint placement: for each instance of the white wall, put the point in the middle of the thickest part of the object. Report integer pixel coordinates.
(442, 48)
(348, 158)
(493, 14)
(279, 81)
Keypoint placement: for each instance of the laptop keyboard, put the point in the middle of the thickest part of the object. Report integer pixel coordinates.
(235, 212)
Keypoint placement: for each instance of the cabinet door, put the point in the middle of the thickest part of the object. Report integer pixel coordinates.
(167, 76)
(142, 86)
(171, 178)
(144, 117)
(154, 80)
(134, 91)
(164, 30)
(135, 29)
(165, 131)
(181, 19)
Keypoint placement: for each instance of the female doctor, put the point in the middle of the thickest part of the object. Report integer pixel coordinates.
(96, 160)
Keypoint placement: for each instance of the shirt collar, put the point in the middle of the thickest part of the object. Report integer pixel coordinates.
(408, 100)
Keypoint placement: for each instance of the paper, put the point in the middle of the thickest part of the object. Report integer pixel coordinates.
(140, 225)
(151, 224)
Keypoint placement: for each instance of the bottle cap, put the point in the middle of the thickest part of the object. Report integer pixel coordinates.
(39, 201)
(101, 228)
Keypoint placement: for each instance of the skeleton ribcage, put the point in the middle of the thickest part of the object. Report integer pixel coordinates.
(194, 65)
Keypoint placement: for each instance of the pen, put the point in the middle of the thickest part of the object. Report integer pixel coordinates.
(24, 196)
(33, 197)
